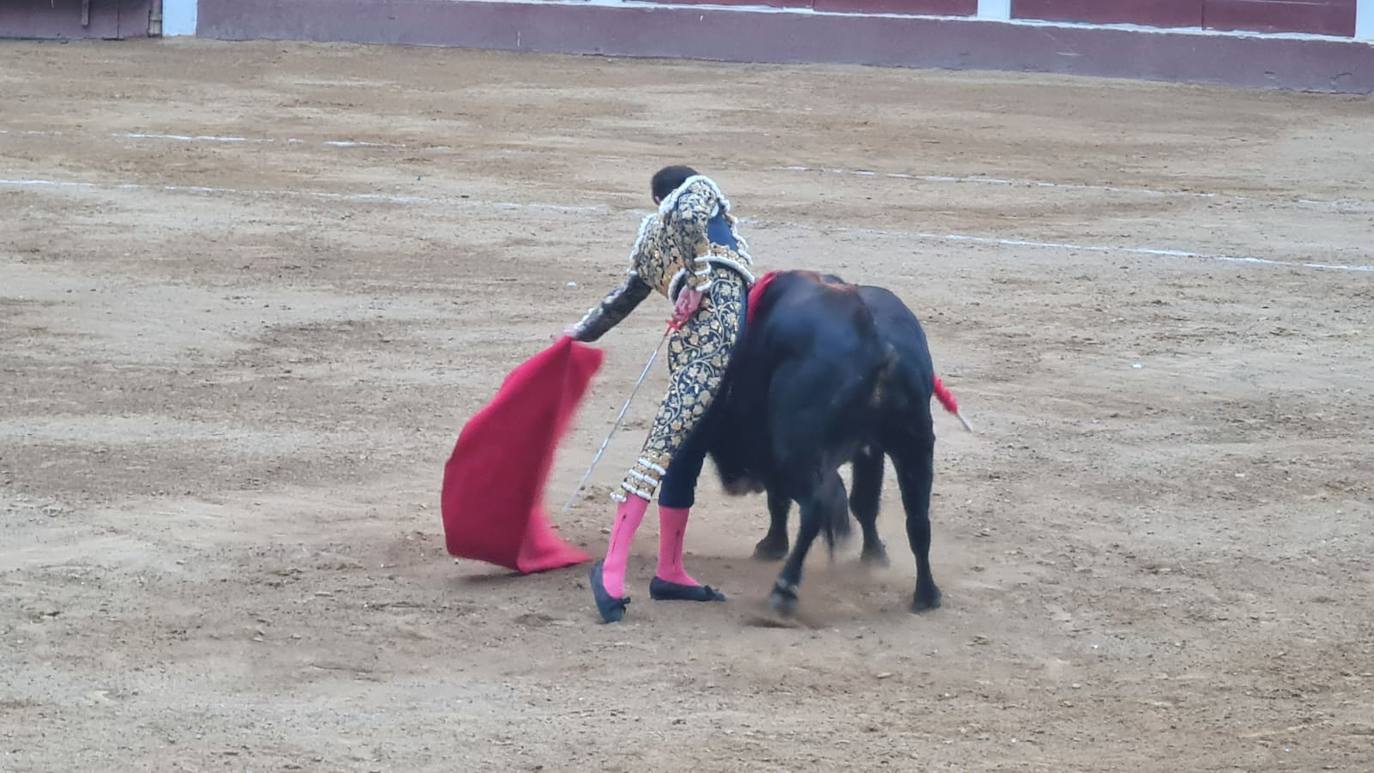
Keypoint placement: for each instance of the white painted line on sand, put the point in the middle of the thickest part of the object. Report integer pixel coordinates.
(229, 139)
(999, 181)
(255, 140)
(1339, 205)
(1328, 204)
(602, 209)
(1158, 252)
(183, 137)
(385, 198)
(360, 144)
(1146, 251)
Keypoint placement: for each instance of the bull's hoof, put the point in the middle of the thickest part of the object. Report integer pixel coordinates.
(770, 549)
(875, 555)
(783, 601)
(926, 599)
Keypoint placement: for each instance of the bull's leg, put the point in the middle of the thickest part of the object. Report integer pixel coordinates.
(915, 472)
(773, 546)
(818, 507)
(863, 501)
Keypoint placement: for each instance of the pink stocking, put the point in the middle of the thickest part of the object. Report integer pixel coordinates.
(627, 519)
(672, 526)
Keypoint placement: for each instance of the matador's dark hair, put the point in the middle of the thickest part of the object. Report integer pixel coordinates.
(669, 179)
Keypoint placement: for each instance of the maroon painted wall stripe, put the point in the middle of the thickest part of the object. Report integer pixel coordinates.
(914, 7)
(769, 3)
(1321, 17)
(1155, 13)
(932, 7)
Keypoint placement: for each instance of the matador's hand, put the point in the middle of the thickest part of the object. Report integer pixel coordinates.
(688, 301)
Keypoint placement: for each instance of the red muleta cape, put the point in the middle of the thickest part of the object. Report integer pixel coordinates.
(493, 492)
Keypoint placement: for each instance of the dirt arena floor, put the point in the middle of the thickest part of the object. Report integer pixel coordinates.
(249, 293)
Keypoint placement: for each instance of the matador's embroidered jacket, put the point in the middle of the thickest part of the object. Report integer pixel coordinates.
(692, 231)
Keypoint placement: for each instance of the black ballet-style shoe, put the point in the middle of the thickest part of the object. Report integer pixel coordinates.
(662, 590)
(612, 609)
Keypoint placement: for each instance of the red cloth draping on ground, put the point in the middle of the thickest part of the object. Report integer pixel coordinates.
(493, 492)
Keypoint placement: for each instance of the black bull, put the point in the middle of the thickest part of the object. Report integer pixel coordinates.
(829, 373)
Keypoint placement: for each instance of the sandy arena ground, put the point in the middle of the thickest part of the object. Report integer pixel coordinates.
(233, 362)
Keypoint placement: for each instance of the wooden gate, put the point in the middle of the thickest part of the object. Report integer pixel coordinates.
(74, 19)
